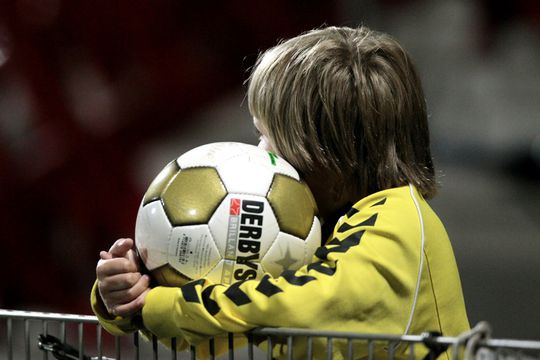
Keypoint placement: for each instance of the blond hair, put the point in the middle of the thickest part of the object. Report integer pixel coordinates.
(349, 102)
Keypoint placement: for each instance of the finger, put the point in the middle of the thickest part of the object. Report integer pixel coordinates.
(121, 247)
(141, 299)
(114, 266)
(119, 282)
(104, 255)
(134, 257)
(132, 307)
(123, 297)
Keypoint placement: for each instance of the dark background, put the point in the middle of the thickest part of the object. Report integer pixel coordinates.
(95, 97)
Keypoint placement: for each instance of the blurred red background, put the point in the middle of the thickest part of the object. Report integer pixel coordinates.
(86, 87)
(83, 86)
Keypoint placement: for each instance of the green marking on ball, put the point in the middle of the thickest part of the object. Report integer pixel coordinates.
(273, 157)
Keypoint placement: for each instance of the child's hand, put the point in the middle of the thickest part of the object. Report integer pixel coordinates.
(121, 285)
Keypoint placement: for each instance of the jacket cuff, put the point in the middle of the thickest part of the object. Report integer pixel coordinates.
(116, 325)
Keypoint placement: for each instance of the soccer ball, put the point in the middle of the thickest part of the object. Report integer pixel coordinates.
(228, 212)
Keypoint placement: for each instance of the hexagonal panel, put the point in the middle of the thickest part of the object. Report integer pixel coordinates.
(287, 253)
(243, 225)
(243, 175)
(192, 251)
(293, 204)
(152, 234)
(160, 182)
(192, 196)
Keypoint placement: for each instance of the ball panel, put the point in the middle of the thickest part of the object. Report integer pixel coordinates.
(210, 155)
(168, 276)
(287, 253)
(313, 240)
(293, 205)
(160, 182)
(192, 196)
(192, 250)
(222, 273)
(152, 234)
(253, 179)
(243, 226)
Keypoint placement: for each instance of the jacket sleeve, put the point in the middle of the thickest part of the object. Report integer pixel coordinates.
(120, 326)
(363, 280)
(116, 325)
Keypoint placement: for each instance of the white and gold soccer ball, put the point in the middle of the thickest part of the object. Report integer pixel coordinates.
(228, 212)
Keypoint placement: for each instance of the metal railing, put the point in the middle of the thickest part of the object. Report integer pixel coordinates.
(39, 335)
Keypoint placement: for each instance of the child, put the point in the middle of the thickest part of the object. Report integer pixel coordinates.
(346, 108)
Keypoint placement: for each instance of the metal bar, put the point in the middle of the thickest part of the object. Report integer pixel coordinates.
(231, 346)
(211, 344)
(117, 347)
(155, 347)
(32, 315)
(10, 338)
(370, 349)
(391, 350)
(499, 355)
(329, 348)
(309, 347)
(173, 348)
(250, 346)
(27, 338)
(81, 341)
(99, 344)
(350, 349)
(136, 344)
(289, 347)
(269, 351)
(63, 331)
(510, 344)
(343, 334)
(45, 329)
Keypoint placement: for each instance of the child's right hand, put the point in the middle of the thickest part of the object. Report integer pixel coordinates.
(121, 285)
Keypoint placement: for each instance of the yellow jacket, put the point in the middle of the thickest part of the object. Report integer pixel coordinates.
(388, 268)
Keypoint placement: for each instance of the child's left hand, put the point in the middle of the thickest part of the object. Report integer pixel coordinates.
(121, 285)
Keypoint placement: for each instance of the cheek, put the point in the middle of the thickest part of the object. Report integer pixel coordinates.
(263, 144)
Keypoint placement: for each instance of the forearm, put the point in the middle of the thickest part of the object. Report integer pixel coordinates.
(200, 309)
(168, 313)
